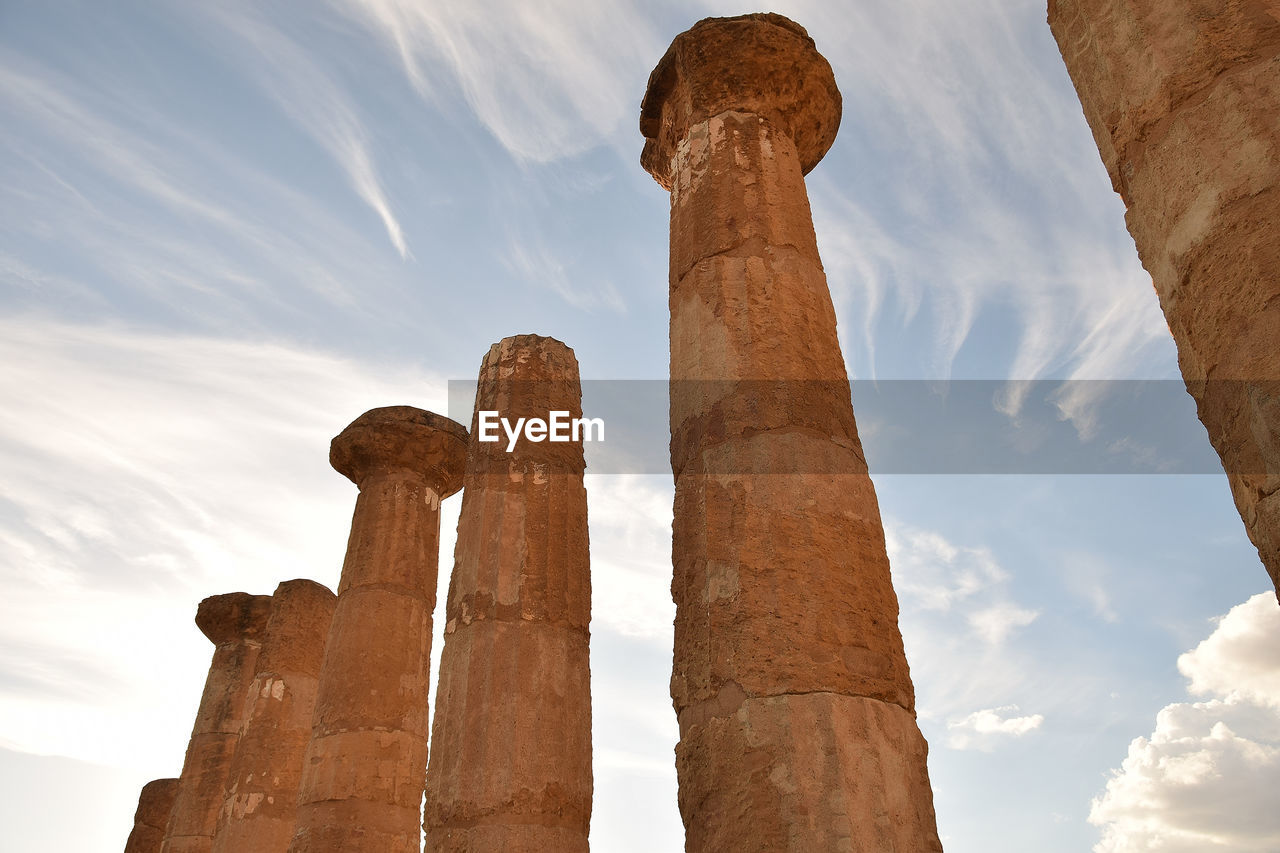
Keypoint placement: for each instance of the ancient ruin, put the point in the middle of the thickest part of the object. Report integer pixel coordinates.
(262, 783)
(791, 687)
(1182, 98)
(155, 802)
(365, 766)
(234, 624)
(511, 738)
(796, 709)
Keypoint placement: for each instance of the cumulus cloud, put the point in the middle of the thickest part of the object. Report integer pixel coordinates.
(1239, 660)
(984, 728)
(1206, 777)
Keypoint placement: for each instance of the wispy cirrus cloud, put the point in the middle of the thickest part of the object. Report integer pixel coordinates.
(143, 472)
(311, 96)
(553, 81)
(534, 262)
(108, 197)
(987, 202)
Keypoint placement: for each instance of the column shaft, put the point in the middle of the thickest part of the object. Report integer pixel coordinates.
(234, 623)
(260, 806)
(365, 765)
(795, 704)
(511, 739)
(1183, 97)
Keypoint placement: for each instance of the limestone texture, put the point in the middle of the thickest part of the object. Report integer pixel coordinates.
(1183, 98)
(234, 623)
(261, 799)
(365, 765)
(155, 802)
(790, 683)
(511, 738)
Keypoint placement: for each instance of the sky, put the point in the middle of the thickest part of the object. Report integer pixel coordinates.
(227, 229)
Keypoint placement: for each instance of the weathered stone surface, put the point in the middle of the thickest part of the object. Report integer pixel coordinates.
(234, 624)
(763, 64)
(795, 774)
(790, 683)
(783, 580)
(511, 740)
(262, 785)
(1183, 98)
(363, 773)
(149, 821)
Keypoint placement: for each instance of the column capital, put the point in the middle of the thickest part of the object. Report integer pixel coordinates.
(763, 64)
(402, 438)
(233, 616)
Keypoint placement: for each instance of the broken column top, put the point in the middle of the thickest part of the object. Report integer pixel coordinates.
(530, 357)
(301, 611)
(233, 616)
(528, 376)
(761, 63)
(402, 438)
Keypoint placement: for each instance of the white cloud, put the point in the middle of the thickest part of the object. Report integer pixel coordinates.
(984, 728)
(994, 624)
(931, 573)
(537, 263)
(1206, 777)
(987, 196)
(553, 80)
(957, 604)
(142, 473)
(319, 105)
(1240, 660)
(162, 212)
(630, 518)
(1092, 578)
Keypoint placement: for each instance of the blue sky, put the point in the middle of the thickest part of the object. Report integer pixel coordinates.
(228, 229)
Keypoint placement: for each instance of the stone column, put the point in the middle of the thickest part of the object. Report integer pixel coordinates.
(234, 623)
(149, 821)
(511, 739)
(365, 766)
(1183, 97)
(262, 785)
(795, 705)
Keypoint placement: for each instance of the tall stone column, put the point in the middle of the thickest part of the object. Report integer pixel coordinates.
(234, 623)
(366, 763)
(511, 739)
(262, 785)
(1183, 97)
(155, 802)
(795, 705)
